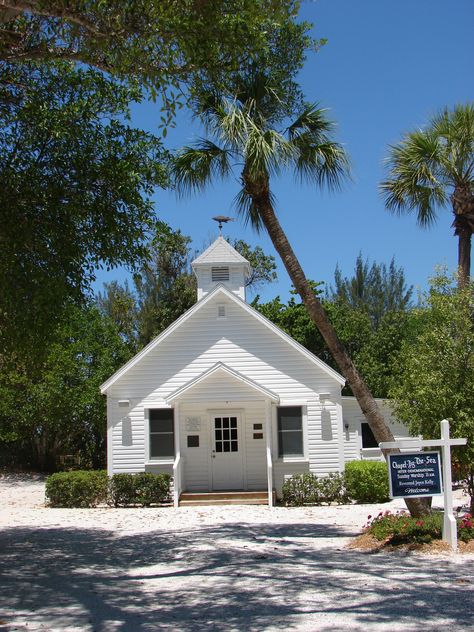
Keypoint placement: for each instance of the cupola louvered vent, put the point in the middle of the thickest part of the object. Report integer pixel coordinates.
(220, 273)
(221, 311)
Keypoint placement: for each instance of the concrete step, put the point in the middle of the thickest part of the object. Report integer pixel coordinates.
(223, 501)
(224, 498)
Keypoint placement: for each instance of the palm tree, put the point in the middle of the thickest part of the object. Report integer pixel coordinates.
(242, 132)
(434, 166)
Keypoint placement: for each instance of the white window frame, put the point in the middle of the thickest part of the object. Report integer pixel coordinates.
(149, 460)
(304, 426)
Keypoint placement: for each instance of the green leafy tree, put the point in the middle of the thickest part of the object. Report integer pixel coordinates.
(263, 267)
(165, 287)
(433, 167)
(243, 130)
(75, 187)
(118, 302)
(163, 43)
(56, 408)
(375, 288)
(436, 372)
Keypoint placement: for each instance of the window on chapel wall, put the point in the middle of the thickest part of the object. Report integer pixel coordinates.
(290, 431)
(161, 433)
(368, 439)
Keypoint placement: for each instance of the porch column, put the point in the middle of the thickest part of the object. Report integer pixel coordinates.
(268, 436)
(177, 460)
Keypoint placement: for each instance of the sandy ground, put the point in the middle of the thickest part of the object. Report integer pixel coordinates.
(215, 568)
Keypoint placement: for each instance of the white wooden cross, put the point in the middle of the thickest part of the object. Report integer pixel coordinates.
(450, 533)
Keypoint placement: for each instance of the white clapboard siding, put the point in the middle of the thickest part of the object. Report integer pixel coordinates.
(248, 347)
(196, 465)
(353, 417)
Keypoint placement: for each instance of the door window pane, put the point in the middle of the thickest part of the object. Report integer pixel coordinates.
(226, 434)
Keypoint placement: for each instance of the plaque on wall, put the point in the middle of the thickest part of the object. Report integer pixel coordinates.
(193, 424)
(193, 441)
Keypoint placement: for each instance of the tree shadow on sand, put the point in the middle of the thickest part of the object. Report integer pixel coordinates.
(223, 577)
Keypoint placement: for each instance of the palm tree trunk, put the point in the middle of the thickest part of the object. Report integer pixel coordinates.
(463, 207)
(464, 257)
(318, 315)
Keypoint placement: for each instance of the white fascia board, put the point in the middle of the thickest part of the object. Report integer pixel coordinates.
(220, 366)
(221, 289)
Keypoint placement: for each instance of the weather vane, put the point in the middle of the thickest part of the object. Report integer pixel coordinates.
(222, 219)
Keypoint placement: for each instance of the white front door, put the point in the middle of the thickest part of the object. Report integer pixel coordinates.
(226, 446)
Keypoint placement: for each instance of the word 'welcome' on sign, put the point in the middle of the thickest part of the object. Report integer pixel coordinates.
(416, 474)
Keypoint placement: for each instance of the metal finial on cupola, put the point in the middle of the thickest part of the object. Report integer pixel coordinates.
(222, 219)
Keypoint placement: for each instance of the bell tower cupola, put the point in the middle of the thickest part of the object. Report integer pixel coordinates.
(221, 264)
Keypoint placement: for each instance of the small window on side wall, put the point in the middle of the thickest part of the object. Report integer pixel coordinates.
(368, 439)
(161, 433)
(290, 431)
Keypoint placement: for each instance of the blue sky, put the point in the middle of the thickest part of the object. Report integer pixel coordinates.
(387, 67)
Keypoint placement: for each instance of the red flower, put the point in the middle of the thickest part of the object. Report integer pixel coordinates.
(419, 523)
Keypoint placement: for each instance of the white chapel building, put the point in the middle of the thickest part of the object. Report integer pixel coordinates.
(225, 400)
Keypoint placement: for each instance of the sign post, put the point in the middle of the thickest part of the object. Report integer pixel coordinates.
(415, 474)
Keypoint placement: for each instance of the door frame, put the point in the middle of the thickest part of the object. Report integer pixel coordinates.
(225, 412)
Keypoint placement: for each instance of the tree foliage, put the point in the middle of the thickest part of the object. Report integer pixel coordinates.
(75, 187)
(56, 409)
(432, 168)
(376, 289)
(162, 43)
(436, 371)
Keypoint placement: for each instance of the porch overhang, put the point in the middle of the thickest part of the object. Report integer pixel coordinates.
(221, 368)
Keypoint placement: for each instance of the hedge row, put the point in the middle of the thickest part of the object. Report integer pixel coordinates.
(92, 488)
(362, 482)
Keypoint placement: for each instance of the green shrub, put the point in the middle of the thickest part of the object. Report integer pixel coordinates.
(143, 489)
(77, 489)
(332, 489)
(152, 489)
(308, 489)
(121, 490)
(367, 481)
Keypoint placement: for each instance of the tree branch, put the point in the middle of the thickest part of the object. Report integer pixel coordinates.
(17, 6)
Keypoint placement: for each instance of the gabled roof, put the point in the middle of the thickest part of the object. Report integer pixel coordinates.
(220, 367)
(220, 289)
(220, 252)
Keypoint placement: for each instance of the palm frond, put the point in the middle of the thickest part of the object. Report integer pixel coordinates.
(417, 177)
(312, 120)
(247, 209)
(267, 152)
(317, 157)
(196, 166)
